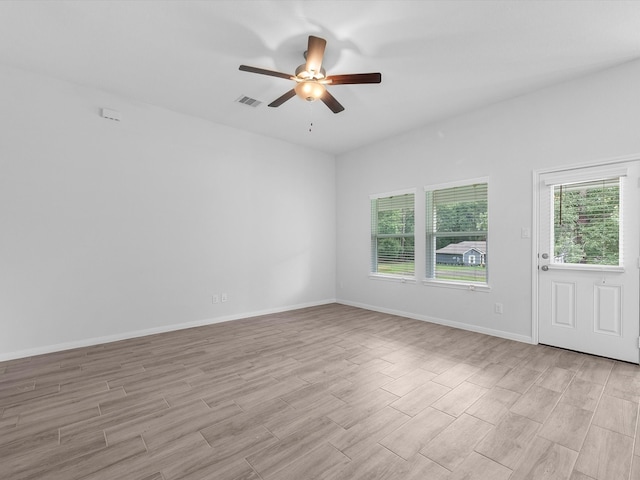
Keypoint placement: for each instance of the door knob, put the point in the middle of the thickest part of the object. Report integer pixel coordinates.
(544, 268)
(545, 255)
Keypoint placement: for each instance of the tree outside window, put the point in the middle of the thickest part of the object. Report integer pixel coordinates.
(392, 235)
(586, 226)
(456, 233)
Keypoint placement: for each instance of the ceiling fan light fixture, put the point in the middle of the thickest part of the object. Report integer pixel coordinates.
(310, 90)
(311, 79)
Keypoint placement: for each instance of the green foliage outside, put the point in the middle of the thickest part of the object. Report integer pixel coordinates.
(401, 268)
(396, 252)
(397, 221)
(461, 273)
(395, 241)
(460, 217)
(586, 224)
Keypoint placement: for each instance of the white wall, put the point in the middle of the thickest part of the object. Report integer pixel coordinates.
(115, 229)
(590, 119)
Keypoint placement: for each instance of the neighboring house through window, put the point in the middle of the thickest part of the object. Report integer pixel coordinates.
(456, 232)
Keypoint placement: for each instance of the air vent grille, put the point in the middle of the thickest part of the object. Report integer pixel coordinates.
(252, 102)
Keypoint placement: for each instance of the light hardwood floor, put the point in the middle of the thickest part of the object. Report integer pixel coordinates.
(330, 392)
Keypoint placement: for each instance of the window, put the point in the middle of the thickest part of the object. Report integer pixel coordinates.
(392, 234)
(586, 222)
(456, 233)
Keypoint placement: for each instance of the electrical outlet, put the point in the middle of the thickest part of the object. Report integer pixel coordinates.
(224, 297)
(215, 298)
(499, 308)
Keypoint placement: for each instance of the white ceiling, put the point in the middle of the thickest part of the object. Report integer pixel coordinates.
(437, 58)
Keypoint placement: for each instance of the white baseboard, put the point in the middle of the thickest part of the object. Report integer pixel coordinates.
(88, 342)
(441, 321)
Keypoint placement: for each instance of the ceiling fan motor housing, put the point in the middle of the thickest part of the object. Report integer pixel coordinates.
(301, 73)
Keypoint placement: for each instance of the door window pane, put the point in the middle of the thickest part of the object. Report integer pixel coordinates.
(586, 224)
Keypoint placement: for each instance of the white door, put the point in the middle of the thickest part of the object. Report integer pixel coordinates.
(588, 260)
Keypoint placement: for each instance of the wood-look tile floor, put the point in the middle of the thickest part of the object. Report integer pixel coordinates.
(330, 392)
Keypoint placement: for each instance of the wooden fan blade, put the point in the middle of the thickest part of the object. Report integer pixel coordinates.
(354, 78)
(315, 53)
(280, 100)
(262, 71)
(330, 101)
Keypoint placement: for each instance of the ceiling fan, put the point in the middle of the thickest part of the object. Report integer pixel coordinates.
(311, 79)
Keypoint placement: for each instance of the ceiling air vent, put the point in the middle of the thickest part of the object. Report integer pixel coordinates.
(252, 102)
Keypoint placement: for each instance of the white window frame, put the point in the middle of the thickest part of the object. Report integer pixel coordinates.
(373, 251)
(595, 173)
(474, 286)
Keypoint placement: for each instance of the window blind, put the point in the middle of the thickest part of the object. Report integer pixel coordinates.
(586, 223)
(456, 233)
(392, 235)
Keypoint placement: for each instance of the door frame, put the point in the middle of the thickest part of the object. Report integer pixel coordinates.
(535, 227)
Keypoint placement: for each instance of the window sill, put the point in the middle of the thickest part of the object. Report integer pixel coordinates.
(392, 278)
(472, 287)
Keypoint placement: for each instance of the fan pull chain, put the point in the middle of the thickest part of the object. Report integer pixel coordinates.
(310, 116)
